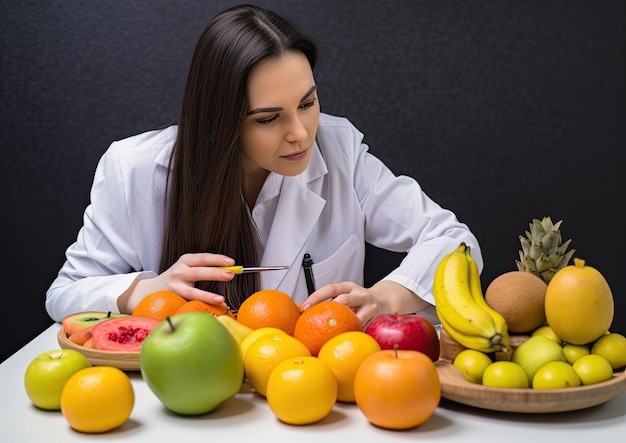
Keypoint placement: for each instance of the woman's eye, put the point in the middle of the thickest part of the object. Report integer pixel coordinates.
(307, 105)
(267, 121)
(303, 106)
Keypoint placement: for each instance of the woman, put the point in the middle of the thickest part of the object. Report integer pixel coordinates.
(252, 173)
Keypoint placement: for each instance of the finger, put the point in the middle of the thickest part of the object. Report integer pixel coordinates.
(207, 259)
(324, 293)
(193, 293)
(327, 292)
(357, 296)
(347, 299)
(212, 298)
(202, 273)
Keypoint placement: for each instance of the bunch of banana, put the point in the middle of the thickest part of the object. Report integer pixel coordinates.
(461, 305)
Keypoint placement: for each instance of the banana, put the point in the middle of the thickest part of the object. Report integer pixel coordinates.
(467, 322)
(453, 299)
(476, 342)
(239, 331)
(478, 295)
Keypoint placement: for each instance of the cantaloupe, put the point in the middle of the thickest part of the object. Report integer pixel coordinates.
(520, 297)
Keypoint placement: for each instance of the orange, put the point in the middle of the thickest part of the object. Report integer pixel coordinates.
(323, 321)
(97, 399)
(159, 305)
(301, 390)
(256, 333)
(397, 389)
(265, 353)
(269, 307)
(343, 354)
(200, 306)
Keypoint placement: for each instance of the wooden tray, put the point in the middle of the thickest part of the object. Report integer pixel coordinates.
(454, 387)
(126, 361)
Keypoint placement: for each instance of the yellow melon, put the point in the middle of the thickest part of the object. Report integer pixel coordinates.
(579, 304)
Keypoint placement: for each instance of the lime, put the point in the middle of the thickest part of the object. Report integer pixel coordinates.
(592, 369)
(611, 346)
(555, 375)
(548, 332)
(505, 374)
(472, 363)
(574, 352)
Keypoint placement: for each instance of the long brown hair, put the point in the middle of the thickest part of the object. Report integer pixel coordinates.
(205, 211)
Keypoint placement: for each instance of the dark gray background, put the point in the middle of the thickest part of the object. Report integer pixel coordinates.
(504, 111)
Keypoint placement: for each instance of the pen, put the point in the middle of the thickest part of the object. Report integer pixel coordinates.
(307, 265)
(244, 270)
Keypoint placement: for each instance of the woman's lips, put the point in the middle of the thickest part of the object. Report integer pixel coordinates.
(295, 157)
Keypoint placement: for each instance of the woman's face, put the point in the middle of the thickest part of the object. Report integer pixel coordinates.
(282, 120)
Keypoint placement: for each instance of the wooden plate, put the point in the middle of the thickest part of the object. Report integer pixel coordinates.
(126, 361)
(454, 387)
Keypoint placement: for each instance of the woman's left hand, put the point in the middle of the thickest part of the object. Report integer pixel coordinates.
(384, 297)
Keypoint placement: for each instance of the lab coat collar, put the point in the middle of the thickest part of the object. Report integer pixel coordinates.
(298, 211)
(316, 168)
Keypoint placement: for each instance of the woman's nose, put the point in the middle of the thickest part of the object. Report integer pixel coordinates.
(296, 131)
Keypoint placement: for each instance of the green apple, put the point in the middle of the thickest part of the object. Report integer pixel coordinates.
(47, 373)
(556, 375)
(191, 363)
(536, 352)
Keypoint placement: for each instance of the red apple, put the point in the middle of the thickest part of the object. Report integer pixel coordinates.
(409, 331)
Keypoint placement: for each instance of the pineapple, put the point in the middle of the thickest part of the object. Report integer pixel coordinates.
(543, 252)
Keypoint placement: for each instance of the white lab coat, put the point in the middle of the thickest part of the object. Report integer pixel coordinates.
(343, 199)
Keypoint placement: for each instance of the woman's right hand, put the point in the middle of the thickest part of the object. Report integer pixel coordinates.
(181, 278)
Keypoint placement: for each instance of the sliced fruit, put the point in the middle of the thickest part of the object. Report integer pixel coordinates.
(81, 336)
(122, 334)
(80, 320)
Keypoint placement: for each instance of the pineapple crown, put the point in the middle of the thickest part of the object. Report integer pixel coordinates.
(543, 251)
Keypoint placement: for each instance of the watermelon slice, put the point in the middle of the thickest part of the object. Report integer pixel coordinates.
(123, 334)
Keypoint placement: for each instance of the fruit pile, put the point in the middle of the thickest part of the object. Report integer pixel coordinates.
(303, 362)
(556, 318)
(544, 326)
(195, 356)
(544, 362)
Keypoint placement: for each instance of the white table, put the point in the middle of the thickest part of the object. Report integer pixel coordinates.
(247, 417)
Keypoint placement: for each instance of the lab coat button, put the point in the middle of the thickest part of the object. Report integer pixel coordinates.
(258, 212)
